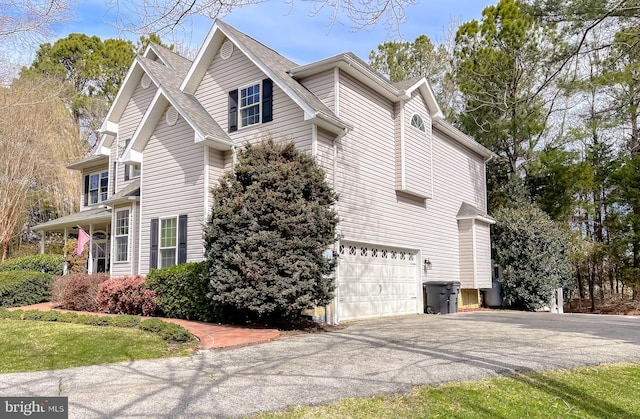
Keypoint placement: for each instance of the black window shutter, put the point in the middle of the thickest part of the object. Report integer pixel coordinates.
(267, 100)
(153, 257)
(182, 239)
(233, 110)
(127, 168)
(86, 190)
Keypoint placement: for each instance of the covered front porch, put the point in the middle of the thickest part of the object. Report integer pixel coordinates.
(96, 222)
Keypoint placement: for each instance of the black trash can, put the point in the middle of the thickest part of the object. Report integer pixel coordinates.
(436, 297)
(454, 290)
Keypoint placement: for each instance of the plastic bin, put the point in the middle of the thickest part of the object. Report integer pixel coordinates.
(454, 290)
(436, 296)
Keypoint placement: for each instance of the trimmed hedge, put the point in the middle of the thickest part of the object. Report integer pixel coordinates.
(50, 264)
(77, 291)
(23, 288)
(182, 291)
(170, 332)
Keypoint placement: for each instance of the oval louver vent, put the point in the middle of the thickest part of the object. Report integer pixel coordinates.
(172, 116)
(146, 81)
(226, 50)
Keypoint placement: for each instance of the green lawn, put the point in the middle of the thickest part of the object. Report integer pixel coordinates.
(611, 391)
(35, 345)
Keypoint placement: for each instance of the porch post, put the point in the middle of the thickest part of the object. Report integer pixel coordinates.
(42, 239)
(90, 261)
(65, 267)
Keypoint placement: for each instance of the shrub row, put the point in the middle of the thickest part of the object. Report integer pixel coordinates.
(22, 288)
(181, 291)
(170, 332)
(50, 264)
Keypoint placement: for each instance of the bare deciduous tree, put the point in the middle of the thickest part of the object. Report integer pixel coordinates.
(28, 22)
(38, 136)
(164, 16)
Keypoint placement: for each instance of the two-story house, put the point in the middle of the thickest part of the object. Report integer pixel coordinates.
(412, 187)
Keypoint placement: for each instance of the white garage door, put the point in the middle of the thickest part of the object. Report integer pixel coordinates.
(375, 281)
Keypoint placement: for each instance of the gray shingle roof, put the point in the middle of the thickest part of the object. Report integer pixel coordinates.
(177, 62)
(467, 211)
(187, 104)
(132, 190)
(94, 215)
(281, 66)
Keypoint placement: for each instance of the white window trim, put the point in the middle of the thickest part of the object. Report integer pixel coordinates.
(99, 174)
(160, 248)
(131, 165)
(115, 236)
(424, 125)
(259, 104)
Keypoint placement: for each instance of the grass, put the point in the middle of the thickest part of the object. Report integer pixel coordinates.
(609, 391)
(35, 345)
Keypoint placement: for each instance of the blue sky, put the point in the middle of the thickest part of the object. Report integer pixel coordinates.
(289, 29)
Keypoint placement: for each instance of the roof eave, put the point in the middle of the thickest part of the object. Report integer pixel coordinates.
(463, 139)
(88, 162)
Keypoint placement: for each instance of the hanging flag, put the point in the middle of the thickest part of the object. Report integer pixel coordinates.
(83, 238)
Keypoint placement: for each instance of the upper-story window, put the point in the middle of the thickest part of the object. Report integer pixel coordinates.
(131, 171)
(417, 122)
(96, 188)
(251, 105)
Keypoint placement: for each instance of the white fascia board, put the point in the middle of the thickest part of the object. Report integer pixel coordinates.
(213, 142)
(125, 92)
(484, 219)
(102, 151)
(427, 93)
(144, 129)
(131, 156)
(109, 128)
(463, 139)
(352, 67)
(205, 55)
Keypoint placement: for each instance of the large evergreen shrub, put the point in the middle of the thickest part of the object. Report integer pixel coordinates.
(22, 288)
(50, 264)
(533, 251)
(271, 221)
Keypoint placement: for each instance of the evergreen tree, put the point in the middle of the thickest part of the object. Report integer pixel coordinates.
(271, 221)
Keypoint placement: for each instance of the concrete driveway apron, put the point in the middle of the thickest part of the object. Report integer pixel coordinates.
(367, 358)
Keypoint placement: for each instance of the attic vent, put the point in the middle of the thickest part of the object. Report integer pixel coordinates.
(226, 50)
(172, 116)
(146, 81)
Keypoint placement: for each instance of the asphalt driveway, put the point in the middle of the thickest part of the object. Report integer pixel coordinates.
(367, 358)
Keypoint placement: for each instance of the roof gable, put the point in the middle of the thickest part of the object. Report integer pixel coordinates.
(272, 64)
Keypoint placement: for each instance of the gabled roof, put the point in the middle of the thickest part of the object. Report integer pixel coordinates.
(131, 192)
(91, 216)
(176, 62)
(274, 65)
(470, 212)
(91, 160)
(203, 124)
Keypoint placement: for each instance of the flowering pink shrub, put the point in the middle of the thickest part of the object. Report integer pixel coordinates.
(127, 295)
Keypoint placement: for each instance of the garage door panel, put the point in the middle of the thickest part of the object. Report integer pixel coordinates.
(375, 281)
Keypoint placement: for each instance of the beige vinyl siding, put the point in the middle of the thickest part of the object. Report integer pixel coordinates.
(129, 267)
(323, 86)
(238, 71)
(325, 154)
(369, 208)
(131, 118)
(417, 148)
(220, 162)
(483, 255)
(458, 176)
(172, 184)
(465, 229)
